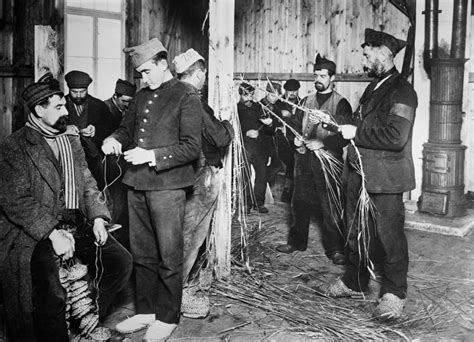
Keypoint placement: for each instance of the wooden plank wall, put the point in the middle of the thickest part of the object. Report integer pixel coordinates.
(17, 54)
(285, 35)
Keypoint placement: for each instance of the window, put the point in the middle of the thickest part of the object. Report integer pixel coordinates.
(94, 40)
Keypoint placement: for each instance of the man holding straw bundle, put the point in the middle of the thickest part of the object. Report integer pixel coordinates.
(376, 238)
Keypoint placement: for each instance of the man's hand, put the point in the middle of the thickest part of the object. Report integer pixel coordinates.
(317, 117)
(298, 142)
(139, 156)
(63, 243)
(314, 144)
(111, 146)
(348, 131)
(252, 133)
(100, 232)
(267, 121)
(89, 131)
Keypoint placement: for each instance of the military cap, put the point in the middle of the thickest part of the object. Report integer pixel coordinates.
(126, 88)
(143, 52)
(77, 79)
(46, 87)
(292, 85)
(183, 61)
(378, 38)
(323, 63)
(246, 89)
(273, 87)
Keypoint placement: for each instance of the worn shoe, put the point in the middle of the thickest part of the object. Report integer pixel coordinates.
(193, 305)
(159, 331)
(135, 323)
(288, 249)
(338, 258)
(337, 289)
(389, 307)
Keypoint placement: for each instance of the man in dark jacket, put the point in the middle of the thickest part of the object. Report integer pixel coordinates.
(45, 187)
(116, 166)
(383, 137)
(311, 188)
(164, 124)
(90, 115)
(202, 201)
(257, 132)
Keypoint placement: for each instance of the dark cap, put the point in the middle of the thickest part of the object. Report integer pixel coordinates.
(323, 63)
(126, 88)
(145, 51)
(77, 79)
(378, 38)
(46, 87)
(273, 87)
(246, 89)
(292, 85)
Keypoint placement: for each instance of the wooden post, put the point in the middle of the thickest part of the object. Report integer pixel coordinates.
(221, 69)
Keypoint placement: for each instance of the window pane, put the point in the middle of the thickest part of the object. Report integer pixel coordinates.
(88, 3)
(79, 36)
(109, 39)
(73, 3)
(114, 5)
(101, 5)
(109, 70)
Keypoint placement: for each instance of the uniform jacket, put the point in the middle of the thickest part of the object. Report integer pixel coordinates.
(384, 135)
(31, 196)
(168, 121)
(113, 121)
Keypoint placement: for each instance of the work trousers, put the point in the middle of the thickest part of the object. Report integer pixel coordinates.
(258, 158)
(387, 249)
(200, 206)
(310, 196)
(49, 297)
(156, 243)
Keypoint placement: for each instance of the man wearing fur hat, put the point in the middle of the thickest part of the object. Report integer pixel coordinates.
(162, 126)
(90, 115)
(201, 203)
(383, 136)
(308, 169)
(49, 213)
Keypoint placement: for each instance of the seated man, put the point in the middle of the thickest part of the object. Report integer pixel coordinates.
(45, 183)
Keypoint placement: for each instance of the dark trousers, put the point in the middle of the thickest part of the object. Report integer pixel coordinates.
(310, 196)
(49, 297)
(388, 248)
(156, 243)
(258, 158)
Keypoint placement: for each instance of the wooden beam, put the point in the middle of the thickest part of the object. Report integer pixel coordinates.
(221, 72)
(305, 77)
(17, 71)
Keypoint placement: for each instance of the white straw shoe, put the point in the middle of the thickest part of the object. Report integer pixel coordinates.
(159, 331)
(390, 307)
(135, 323)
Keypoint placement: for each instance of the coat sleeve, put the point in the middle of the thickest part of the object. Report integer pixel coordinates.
(16, 199)
(124, 133)
(215, 132)
(395, 132)
(189, 145)
(94, 207)
(343, 115)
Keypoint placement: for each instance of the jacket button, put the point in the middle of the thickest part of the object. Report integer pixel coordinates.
(170, 156)
(150, 102)
(140, 140)
(164, 157)
(155, 95)
(145, 120)
(147, 110)
(142, 130)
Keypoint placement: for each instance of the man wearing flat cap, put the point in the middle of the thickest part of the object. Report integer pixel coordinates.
(162, 128)
(216, 135)
(291, 92)
(383, 136)
(308, 168)
(50, 213)
(116, 167)
(90, 115)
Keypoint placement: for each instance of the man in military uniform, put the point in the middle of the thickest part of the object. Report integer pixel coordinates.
(383, 137)
(164, 125)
